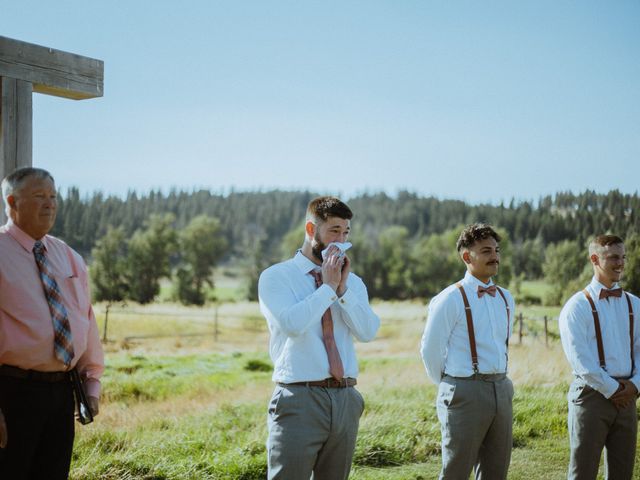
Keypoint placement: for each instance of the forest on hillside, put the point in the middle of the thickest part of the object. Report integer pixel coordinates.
(403, 243)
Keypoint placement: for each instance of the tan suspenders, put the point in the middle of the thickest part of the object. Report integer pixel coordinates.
(472, 336)
(596, 324)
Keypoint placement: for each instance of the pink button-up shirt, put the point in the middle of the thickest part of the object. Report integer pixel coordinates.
(26, 326)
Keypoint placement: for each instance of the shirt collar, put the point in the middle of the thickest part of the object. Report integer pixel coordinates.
(472, 281)
(303, 263)
(24, 240)
(597, 286)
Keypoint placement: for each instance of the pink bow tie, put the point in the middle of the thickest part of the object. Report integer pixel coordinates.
(490, 290)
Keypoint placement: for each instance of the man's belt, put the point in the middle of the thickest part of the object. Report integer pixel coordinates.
(326, 383)
(485, 377)
(34, 375)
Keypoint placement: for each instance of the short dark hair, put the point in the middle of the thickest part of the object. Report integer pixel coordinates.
(600, 241)
(321, 208)
(475, 232)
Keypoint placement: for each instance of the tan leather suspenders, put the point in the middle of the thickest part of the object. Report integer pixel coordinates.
(596, 324)
(472, 335)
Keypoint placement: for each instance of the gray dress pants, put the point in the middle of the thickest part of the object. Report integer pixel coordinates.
(312, 431)
(596, 424)
(476, 420)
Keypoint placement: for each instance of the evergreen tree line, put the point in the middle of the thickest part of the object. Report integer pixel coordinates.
(404, 245)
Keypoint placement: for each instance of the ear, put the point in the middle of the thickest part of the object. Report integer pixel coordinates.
(466, 256)
(11, 200)
(310, 229)
(595, 260)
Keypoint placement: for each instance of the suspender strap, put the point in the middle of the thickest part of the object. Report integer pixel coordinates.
(506, 304)
(472, 336)
(596, 324)
(631, 330)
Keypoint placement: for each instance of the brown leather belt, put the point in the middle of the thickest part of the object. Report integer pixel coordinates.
(48, 377)
(326, 383)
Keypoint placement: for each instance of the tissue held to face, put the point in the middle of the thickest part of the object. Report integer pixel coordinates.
(333, 230)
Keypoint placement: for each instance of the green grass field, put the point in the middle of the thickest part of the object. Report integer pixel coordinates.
(194, 407)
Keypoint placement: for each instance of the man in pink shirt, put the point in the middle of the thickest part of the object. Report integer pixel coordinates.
(47, 328)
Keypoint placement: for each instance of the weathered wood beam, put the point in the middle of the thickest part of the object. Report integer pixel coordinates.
(52, 72)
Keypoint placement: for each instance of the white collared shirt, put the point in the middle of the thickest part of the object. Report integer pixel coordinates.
(293, 308)
(445, 341)
(578, 335)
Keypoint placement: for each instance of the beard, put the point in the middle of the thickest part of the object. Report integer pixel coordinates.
(317, 247)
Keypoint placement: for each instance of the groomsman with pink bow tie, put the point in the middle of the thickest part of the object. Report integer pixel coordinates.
(465, 353)
(602, 343)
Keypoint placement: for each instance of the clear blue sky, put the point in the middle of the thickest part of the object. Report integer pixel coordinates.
(481, 101)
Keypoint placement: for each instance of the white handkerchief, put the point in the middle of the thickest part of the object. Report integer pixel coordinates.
(343, 246)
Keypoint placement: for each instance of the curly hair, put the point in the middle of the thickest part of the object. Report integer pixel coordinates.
(475, 232)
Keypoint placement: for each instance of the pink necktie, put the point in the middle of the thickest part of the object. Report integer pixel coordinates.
(335, 363)
(490, 290)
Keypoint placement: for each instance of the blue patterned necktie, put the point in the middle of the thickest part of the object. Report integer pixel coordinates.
(63, 341)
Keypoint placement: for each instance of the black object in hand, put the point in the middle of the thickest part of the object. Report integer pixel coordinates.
(83, 411)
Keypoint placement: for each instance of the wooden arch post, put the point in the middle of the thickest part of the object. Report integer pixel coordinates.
(26, 68)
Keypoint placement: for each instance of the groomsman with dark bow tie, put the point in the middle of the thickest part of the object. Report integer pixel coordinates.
(465, 352)
(602, 343)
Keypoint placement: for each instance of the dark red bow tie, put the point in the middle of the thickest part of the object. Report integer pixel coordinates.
(490, 290)
(615, 292)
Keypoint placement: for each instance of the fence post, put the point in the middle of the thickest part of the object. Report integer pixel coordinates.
(546, 331)
(106, 320)
(520, 320)
(215, 323)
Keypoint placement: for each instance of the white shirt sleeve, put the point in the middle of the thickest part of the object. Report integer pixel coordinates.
(281, 306)
(576, 333)
(358, 315)
(442, 312)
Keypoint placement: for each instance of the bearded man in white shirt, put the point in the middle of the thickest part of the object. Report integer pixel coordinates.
(465, 353)
(315, 306)
(602, 343)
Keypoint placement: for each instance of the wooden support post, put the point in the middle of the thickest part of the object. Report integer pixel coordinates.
(15, 124)
(546, 331)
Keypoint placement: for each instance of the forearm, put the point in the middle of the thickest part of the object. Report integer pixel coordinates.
(359, 316)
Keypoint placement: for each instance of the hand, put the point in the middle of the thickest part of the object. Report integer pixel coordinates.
(94, 405)
(332, 267)
(3, 431)
(625, 395)
(346, 268)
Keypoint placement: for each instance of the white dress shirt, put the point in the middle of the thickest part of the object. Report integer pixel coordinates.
(578, 335)
(293, 308)
(445, 342)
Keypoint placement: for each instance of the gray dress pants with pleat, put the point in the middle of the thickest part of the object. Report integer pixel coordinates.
(596, 424)
(312, 431)
(476, 420)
